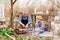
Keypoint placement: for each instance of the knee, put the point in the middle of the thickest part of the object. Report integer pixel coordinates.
(30, 25)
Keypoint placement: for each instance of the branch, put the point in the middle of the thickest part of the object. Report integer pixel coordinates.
(14, 2)
(28, 2)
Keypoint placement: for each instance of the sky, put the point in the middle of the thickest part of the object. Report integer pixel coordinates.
(23, 3)
(1, 1)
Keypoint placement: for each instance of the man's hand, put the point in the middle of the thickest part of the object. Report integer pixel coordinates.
(23, 25)
(26, 26)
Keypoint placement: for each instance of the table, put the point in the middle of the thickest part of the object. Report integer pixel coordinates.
(34, 17)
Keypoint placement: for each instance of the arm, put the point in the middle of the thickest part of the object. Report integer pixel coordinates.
(36, 24)
(42, 25)
(29, 20)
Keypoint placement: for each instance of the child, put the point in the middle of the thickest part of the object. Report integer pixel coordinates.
(40, 25)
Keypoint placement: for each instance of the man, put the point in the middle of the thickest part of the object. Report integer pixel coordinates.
(25, 19)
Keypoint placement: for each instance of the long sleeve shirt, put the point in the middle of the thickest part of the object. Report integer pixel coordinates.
(40, 24)
(29, 19)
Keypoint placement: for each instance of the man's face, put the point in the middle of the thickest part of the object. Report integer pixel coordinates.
(24, 13)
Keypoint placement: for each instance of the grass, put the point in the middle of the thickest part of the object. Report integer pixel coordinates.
(25, 38)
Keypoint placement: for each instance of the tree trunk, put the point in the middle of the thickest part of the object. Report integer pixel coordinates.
(11, 18)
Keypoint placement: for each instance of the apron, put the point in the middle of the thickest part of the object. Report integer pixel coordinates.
(24, 20)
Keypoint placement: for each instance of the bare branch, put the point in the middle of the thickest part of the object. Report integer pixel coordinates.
(14, 2)
(28, 2)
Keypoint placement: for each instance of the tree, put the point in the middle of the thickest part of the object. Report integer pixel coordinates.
(11, 18)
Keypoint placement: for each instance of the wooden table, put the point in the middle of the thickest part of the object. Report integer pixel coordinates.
(34, 17)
